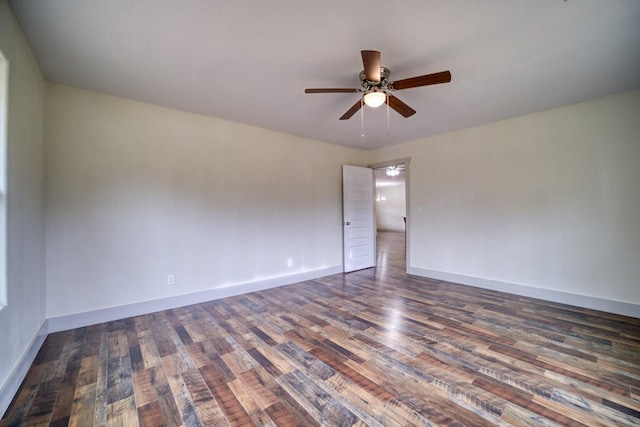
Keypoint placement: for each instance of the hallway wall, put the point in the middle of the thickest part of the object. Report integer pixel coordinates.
(391, 207)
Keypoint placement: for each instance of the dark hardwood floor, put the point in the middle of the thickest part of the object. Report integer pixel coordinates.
(373, 347)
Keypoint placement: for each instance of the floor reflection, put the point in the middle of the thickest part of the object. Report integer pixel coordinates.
(390, 253)
(391, 262)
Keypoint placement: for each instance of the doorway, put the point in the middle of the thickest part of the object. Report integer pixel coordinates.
(391, 199)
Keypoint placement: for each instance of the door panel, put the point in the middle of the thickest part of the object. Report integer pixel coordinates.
(358, 218)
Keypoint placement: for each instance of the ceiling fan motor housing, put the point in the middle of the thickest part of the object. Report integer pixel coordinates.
(382, 84)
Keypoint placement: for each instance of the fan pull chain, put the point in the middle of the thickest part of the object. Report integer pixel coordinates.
(388, 127)
(362, 117)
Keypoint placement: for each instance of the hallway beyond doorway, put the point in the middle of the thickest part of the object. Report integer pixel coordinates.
(391, 252)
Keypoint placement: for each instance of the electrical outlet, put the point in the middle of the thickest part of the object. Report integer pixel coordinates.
(290, 262)
(171, 280)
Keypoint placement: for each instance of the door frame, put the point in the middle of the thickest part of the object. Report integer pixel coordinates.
(406, 161)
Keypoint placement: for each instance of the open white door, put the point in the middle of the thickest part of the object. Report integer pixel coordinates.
(358, 218)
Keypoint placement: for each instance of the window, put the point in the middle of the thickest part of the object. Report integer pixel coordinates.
(4, 102)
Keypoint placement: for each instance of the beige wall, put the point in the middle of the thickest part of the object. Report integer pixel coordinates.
(21, 319)
(549, 200)
(136, 192)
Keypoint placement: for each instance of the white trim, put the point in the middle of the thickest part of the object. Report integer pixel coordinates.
(77, 320)
(4, 135)
(578, 300)
(15, 378)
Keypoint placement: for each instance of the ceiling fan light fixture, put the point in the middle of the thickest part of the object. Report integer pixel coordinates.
(375, 98)
(393, 171)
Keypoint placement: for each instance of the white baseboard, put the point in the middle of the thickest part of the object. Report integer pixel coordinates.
(78, 320)
(585, 301)
(13, 382)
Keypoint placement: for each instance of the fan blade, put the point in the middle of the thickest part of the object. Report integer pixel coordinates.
(426, 80)
(401, 107)
(371, 61)
(331, 90)
(351, 111)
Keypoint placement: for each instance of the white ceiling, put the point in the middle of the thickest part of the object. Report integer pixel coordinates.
(250, 61)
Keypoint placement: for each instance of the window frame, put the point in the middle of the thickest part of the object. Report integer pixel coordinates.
(4, 114)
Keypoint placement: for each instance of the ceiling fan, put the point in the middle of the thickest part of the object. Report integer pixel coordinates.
(376, 87)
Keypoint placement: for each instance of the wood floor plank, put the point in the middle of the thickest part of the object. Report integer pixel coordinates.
(119, 379)
(279, 412)
(365, 405)
(43, 403)
(150, 415)
(207, 408)
(372, 347)
(64, 400)
(82, 410)
(270, 359)
(327, 409)
(521, 417)
(233, 410)
(148, 349)
(261, 393)
(184, 401)
(100, 413)
(23, 400)
(251, 407)
(152, 388)
(239, 361)
(285, 402)
(122, 412)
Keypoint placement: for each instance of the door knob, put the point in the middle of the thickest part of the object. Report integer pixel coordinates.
(347, 223)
